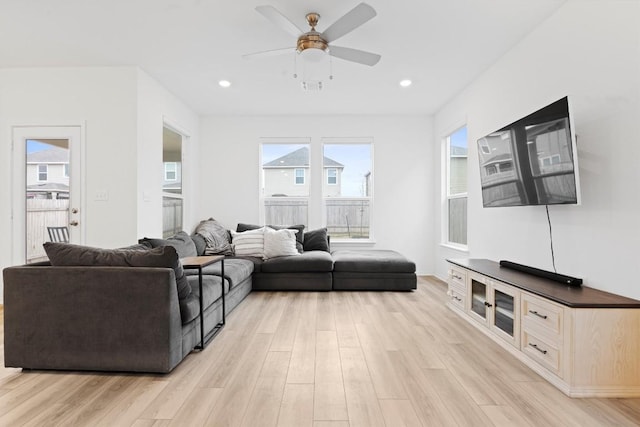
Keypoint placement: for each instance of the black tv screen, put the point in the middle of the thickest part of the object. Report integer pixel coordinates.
(531, 161)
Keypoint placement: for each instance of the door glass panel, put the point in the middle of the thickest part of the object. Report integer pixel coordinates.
(47, 195)
(172, 191)
(478, 298)
(504, 312)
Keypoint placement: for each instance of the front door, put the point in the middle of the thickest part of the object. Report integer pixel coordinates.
(47, 182)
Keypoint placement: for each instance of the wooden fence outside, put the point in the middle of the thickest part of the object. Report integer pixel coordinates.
(171, 216)
(43, 213)
(348, 218)
(345, 218)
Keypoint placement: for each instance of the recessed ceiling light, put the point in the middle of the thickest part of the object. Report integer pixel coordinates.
(405, 83)
(224, 83)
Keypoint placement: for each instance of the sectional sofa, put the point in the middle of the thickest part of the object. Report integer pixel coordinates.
(136, 309)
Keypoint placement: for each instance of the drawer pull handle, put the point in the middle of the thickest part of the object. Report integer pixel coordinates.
(538, 348)
(488, 304)
(457, 298)
(535, 313)
(455, 276)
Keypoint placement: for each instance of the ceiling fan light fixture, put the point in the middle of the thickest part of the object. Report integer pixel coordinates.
(406, 83)
(224, 83)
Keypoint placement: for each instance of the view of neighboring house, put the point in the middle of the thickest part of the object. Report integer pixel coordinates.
(48, 174)
(288, 176)
(172, 177)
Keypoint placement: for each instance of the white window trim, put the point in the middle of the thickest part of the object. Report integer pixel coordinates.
(445, 191)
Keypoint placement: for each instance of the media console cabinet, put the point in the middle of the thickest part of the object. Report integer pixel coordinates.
(584, 341)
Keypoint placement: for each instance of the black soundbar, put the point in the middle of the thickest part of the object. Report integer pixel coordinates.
(567, 280)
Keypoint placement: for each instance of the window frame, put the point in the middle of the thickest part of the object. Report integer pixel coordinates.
(447, 196)
(368, 198)
(181, 196)
(264, 198)
(295, 176)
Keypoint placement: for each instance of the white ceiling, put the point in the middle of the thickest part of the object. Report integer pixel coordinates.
(188, 45)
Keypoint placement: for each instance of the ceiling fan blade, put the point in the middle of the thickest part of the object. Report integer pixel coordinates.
(269, 53)
(349, 22)
(354, 55)
(274, 15)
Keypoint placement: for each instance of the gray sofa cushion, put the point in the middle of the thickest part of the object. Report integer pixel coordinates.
(371, 261)
(190, 307)
(181, 242)
(236, 270)
(312, 261)
(66, 254)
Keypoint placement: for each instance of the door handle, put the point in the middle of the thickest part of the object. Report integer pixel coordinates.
(73, 223)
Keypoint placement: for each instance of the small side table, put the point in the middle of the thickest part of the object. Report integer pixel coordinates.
(199, 262)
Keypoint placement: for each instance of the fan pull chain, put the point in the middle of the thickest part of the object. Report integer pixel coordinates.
(295, 65)
(330, 67)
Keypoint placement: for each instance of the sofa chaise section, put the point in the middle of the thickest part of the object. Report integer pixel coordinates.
(372, 270)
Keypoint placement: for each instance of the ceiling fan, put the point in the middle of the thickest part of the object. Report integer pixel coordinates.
(321, 42)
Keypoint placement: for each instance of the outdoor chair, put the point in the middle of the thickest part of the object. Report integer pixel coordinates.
(58, 234)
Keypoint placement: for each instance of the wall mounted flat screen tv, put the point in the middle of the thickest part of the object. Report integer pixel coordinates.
(532, 161)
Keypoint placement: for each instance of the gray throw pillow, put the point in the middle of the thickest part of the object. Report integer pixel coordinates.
(200, 243)
(216, 236)
(66, 254)
(316, 240)
(181, 242)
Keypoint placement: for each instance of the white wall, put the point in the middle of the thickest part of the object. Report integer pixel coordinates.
(121, 110)
(156, 107)
(589, 51)
(403, 184)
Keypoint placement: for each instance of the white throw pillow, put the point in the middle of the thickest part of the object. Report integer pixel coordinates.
(279, 243)
(248, 243)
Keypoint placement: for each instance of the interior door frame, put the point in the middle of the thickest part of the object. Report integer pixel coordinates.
(20, 133)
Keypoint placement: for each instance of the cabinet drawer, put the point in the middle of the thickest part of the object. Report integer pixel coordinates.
(456, 297)
(542, 351)
(541, 315)
(457, 275)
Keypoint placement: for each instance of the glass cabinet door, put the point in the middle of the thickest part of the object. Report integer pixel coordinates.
(479, 298)
(504, 311)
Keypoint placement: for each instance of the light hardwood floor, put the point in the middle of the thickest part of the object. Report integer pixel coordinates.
(337, 359)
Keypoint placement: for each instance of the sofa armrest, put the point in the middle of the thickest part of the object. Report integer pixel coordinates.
(92, 318)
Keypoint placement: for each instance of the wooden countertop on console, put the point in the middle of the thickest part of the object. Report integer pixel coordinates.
(571, 296)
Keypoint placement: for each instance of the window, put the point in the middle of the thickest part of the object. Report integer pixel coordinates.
(172, 195)
(456, 187)
(43, 172)
(65, 170)
(332, 176)
(348, 205)
(284, 183)
(171, 171)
